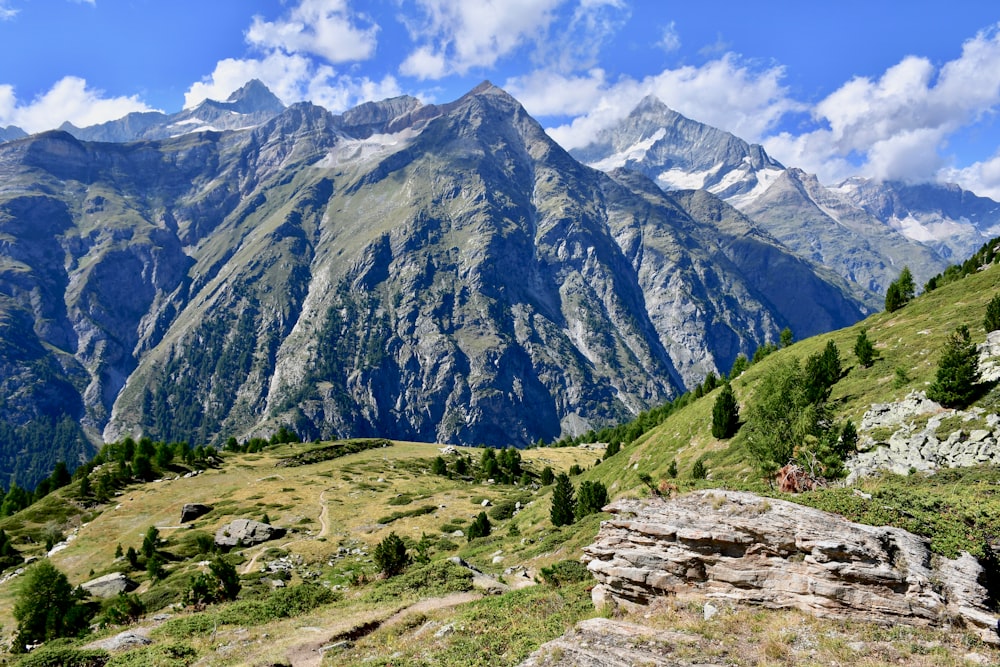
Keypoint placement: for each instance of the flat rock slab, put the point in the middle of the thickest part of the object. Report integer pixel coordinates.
(246, 533)
(110, 585)
(743, 547)
(122, 641)
(603, 642)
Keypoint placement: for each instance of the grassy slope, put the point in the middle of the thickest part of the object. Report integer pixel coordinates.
(360, 489)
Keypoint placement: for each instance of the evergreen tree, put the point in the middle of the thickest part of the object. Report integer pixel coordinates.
(9, 556)
(46, 607)
(672, 469)
(154, 567)
(563, 502)
(864, 349)
(822, 371)
(591, 497)
(390, 555)
(698, 470)
(481, 527)
(992, 320)
(958, 372)
(440, 466)
(907, 290)
(740, 365)
(227, 577)
(786, 337)
(60, 476)
(725, 414)
(547, 476)
(461, 467)
(893, 299)
(150, 542)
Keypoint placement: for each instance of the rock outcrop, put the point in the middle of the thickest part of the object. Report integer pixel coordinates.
(246, 533)
(908, 435)
(603, 642)
(109, 585)
(742, 547)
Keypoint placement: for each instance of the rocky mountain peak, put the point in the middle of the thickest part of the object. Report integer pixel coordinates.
(254, 97)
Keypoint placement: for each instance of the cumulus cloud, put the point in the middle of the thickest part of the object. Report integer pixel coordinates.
(68, 100)
(983, 177)
(896, 126)
(326, 28)
(6, 12)
(727, 93)
(293, 78)
(454, 36)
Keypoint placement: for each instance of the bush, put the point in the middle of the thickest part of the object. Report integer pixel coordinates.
(390, 555)
(221, 583)
(64, 656)
(547, 476)
(123, 610)
(564, 572)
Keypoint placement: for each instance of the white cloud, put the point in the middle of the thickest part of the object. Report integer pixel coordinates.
(458, 35)
(671, 40)
(326, 28)
(293, 78)
(726, 93)
(897, 125)
(983, 177)
(68, 100)
(6, 12)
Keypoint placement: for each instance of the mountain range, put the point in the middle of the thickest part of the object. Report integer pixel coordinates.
(428, 272)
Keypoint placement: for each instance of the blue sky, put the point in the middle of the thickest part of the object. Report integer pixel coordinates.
(874, 88)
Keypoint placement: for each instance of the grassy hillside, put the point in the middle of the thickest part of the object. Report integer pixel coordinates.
(337, 510)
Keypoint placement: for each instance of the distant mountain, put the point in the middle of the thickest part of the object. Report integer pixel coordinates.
(248, 107)
(864, 230)
(11, 132)
(439, 273)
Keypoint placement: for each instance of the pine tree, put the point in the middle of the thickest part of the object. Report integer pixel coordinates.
(440, 466)
(786, 338)
(958, 372)
(562, 501)
(390, 555)
(893, 299)
(725, 414)
(547, 476)
(864, 349)
(591, 497)
(992, 320)
(907, 290)
(481, 527)
(46, 607)
(698, 470)
(9, 556)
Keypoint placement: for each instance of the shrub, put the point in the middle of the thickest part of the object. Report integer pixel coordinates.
(564, 572)
(123, 610)
(390, 555)
(440, 467)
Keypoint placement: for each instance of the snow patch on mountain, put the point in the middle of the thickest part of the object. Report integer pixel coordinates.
(377, 146)
(634, 153)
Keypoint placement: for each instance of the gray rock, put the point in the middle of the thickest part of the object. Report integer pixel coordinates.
(605, 642)
(770, 552)
(245, 533)
(109, 585)
(122, 641)
(192, 511)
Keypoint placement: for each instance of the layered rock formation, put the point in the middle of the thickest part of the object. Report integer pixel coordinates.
(742, 547)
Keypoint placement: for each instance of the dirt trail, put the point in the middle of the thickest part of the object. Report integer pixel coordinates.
(324, 523)
(310, 654)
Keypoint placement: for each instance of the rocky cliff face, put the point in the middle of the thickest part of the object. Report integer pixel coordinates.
(742, 547)
(428, 272)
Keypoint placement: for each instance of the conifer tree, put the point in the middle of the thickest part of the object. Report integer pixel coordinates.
(992, 320)
(958, 372)
(591, 497)
(563, 502)
(390, 555)
(725, 414)
(864, 349)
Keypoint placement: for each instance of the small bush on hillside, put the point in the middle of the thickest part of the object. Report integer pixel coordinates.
(390, 555)
(564, 572)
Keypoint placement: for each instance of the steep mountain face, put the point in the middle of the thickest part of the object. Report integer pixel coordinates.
(11, 132)
(250, 106)
(864, 230)
(680, 154)
(427, 272)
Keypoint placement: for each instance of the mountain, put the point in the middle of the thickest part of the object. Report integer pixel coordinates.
(247, 107)
(11, 132)
(864, 230)
(436, 273)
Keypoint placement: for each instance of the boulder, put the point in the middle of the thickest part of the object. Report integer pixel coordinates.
(192, 511)
(742, 547)
(126, 640)
(110, 585)
(605, 642)
(246, 533)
